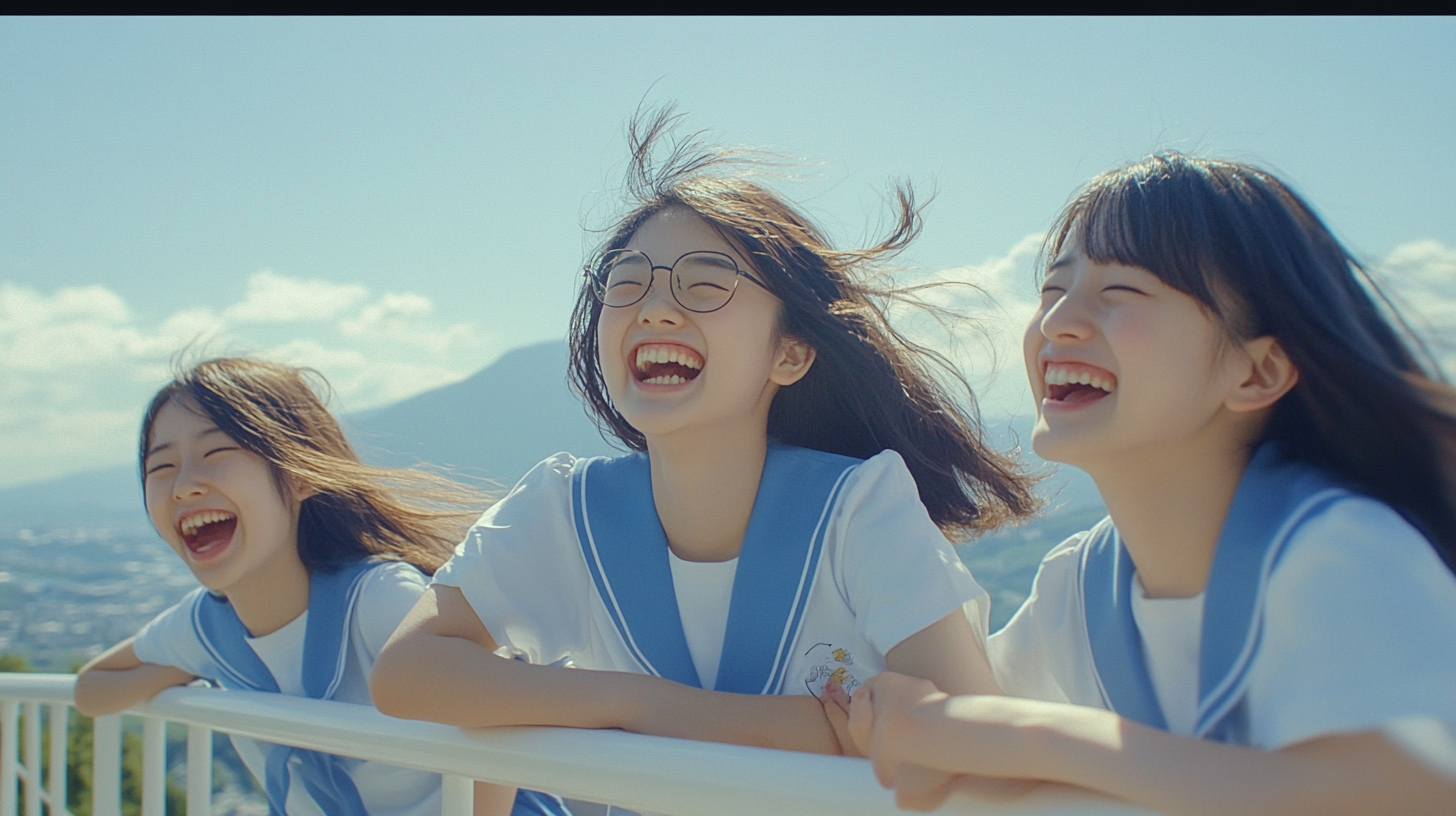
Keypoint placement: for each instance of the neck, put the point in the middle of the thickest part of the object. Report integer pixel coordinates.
(1169, 503)
(704, 485)
(274, 595)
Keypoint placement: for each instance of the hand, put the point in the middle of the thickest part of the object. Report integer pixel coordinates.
(836, 710)
(879, 719)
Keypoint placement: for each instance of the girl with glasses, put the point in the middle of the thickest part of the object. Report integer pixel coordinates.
(1266, 623)
(781, 524)
(308, 559)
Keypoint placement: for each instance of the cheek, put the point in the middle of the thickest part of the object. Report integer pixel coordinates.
(154, 492)
(1031, 344)
(611, 329)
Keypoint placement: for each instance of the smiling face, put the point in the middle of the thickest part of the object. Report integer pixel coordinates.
(1120, 363)
(217, 504)
(668, 369)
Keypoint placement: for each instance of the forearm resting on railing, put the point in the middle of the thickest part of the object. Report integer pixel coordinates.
(440, 666)
(117, 679)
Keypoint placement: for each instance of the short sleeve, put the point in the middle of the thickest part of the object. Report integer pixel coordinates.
(898, 571)
(389, 592)
(169, 639)
(520, 569)
(1042, 652)
(1359, 635)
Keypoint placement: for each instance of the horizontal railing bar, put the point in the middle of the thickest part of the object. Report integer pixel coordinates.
(658, 774)
(38, 688)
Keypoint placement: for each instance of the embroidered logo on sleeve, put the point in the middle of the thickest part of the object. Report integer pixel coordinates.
(828, 663)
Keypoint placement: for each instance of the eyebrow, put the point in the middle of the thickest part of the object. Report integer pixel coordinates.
(165, 445)
(1065, 260)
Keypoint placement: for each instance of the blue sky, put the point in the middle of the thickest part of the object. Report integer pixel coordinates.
(399, 201)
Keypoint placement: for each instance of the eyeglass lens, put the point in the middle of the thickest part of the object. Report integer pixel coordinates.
(701, 281)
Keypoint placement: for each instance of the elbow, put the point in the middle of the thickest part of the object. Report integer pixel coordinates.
(391, 684)
(88, 699)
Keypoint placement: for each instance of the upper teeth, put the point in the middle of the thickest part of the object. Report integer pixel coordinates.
(1059, 375)
(667, 354)
(195, 522)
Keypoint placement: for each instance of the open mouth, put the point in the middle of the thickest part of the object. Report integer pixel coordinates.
(207, 530)
(666, 364)
(1075, 384)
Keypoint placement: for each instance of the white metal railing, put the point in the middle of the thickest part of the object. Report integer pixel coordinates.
(653, 774)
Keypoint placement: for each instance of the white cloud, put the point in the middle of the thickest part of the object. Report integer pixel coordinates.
(1420, 277)
(996, 299)
(273, 298)
(77, 366)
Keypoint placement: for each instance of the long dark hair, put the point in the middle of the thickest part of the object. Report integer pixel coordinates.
(1370, 405)
(355, 510)
(870, 388)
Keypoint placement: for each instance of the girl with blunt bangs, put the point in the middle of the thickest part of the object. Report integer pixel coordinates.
(778, 530)
(1266, 621)
(308, 560)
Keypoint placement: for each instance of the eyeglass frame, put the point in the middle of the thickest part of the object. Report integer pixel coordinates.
(598, 285)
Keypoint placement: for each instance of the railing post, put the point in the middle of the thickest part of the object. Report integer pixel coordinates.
(106, 766)
(9, 744)
(154, 766)
(32, 759)
(60, 741)
(199, 770)
(457, 795)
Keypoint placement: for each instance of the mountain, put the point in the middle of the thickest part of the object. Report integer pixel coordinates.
(497, 424)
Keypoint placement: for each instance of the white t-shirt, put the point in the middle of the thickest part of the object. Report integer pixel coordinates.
(387, 594)
(885, 574)
(1359, 635)
(704, 592)
(1171, 631)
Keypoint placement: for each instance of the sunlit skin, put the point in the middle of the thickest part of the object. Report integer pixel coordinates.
(1166, 444)
(707, 440)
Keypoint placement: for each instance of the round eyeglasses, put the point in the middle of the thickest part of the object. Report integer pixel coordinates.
(702, 281)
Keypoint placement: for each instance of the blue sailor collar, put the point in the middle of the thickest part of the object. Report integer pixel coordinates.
(331, 602)
(1273, 499)
(626, 553)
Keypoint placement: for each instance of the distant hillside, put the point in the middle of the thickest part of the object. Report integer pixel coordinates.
(496, 424)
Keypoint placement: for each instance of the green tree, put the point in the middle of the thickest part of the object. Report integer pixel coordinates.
(12, 662)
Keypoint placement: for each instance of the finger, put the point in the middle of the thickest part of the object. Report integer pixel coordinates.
(994, 789)
(921, 788)
(838, 719)
(861, 719)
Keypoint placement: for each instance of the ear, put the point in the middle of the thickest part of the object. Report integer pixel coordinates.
(792, 362)
(300, 493)
(1270, 376)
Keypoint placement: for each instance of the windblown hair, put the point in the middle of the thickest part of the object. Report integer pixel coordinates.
(869, 388)
(1370, 405)
(354, 510)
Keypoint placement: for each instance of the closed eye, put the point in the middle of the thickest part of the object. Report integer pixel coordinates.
(220, 450)
(1123, 288)
(158, 467)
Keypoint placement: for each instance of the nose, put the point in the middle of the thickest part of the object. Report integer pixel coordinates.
(189, 483)
(1068, 318)
(659, 306)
